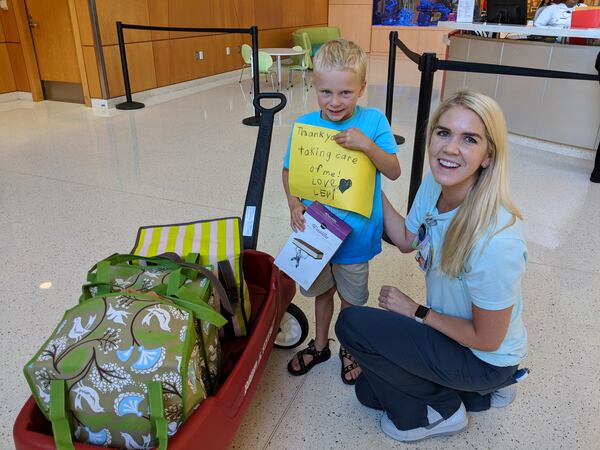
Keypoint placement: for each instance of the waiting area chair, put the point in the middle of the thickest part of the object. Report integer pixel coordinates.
(303, 41)
(299, 64)
(247, 57)
(265, 66)
(317, 36)
(265, 63)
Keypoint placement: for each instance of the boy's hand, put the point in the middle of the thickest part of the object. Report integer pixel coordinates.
(354, 139)
(297, 209)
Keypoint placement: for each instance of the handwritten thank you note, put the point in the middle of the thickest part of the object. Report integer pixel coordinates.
(323, 170)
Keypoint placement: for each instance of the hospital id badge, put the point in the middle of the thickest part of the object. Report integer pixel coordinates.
(424, 248)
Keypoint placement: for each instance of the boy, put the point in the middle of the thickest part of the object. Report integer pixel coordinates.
(339, 79)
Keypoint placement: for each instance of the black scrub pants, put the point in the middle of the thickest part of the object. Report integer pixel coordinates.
(407, 366)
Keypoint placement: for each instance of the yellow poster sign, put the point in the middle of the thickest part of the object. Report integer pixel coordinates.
(321, 169)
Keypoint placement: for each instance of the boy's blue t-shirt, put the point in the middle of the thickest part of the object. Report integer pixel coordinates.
(491, 279)
(364, 242)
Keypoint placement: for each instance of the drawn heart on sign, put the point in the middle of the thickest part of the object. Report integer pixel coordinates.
(345, 185)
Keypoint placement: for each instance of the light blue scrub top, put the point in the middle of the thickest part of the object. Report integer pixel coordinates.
(491, 279)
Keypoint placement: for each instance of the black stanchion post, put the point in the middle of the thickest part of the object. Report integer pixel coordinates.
(427, 66)
(389, 96)
(129, 104)
(595, 176)
(254, 121)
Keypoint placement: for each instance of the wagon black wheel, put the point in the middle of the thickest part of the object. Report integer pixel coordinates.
(293, 328)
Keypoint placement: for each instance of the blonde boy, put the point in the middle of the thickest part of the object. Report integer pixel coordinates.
(340, 80)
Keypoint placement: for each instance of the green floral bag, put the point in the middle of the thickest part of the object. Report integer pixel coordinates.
(169, 276)
(94, 376)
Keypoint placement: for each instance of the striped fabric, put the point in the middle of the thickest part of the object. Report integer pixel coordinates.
(214, 240)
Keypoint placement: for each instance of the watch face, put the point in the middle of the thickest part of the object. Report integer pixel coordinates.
(421, 312)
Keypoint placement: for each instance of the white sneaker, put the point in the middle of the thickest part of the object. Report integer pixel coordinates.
(453, 424)
(503, 397)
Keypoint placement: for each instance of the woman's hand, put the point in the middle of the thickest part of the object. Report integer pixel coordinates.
(393, 299)
(297, 209)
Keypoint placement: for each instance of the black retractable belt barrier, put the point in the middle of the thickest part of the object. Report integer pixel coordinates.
(130, 104)
(428, 63)
(256, 185)
(389, 95)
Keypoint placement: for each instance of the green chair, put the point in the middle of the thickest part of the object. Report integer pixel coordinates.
(247, 57)
(265, 66)
(299, 64)
(317, 36)
(302, 40)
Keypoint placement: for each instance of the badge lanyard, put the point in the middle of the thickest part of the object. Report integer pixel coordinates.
(423, 245)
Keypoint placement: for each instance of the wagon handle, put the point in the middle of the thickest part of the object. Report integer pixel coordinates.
(256, 185)
(271, 95)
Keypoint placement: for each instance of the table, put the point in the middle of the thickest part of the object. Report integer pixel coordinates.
(278, 53)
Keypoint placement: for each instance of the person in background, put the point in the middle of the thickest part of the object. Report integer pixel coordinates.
(557, 15)
(425, 366)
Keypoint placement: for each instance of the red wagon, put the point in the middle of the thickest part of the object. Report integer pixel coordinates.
(274, 320)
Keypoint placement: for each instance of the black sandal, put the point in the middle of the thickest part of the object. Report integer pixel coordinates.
(349, 368)
(317, 357)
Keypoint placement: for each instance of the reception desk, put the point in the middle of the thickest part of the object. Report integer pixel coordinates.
(555, 110)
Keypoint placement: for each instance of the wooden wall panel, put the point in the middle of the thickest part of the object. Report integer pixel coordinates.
(189, 13)
(158, 13)
(380, 39)
(217, 52)
(2, 38)
(162, 58)
(91, 68)
(432, 41)
(225, 14)
(9, 24)
(295, 14)
(175, 62)
(7, 81)
(18, 66)
(140, 61)
(24, 34)
(268, 14)
(85, 22)
(245, 10)
(354, 22)
(130, 11)
(79, 52)
(318, 12)
(281, 37)
(162, 63)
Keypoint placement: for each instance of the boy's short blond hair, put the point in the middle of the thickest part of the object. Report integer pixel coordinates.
(343, 55)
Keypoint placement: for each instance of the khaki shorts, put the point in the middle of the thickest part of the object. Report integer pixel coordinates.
(350, 280)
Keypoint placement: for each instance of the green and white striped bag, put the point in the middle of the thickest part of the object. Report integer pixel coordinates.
(218, 243)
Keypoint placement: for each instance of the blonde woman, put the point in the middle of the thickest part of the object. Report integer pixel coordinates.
(425, 366)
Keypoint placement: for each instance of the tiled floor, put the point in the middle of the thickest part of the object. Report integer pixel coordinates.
(75, 186)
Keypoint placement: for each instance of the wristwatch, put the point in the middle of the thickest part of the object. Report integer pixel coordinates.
(421, 313)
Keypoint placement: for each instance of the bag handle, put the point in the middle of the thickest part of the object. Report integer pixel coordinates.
(228, 278)
(157, 414)
(225, 300)
(102, 268)
(61, 428)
